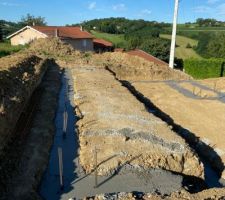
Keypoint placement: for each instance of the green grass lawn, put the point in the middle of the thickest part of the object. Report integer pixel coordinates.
(6, 48)
(117, 39)
(182, 51)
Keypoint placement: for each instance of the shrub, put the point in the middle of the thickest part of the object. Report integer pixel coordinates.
(188, 46)
(204, 68)
(157, 47)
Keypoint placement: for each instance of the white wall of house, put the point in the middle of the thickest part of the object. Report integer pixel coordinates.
(26, 36)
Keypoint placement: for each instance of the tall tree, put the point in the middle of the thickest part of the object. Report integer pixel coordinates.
(30, 20)
(1, 31)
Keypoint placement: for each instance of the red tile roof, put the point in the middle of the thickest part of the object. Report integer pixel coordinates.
(102, 42)
(143, 54)
(63, 31)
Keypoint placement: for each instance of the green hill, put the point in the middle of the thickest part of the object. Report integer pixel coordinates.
(182, 51)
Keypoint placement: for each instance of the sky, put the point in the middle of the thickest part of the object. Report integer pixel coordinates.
(75, 11)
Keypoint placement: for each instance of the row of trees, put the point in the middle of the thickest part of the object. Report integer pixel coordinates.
(208, 22)
(118, 25)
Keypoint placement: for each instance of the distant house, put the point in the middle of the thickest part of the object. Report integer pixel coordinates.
(75, 36)
(101, 45)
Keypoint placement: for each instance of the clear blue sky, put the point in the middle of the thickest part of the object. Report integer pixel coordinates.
(73, 11)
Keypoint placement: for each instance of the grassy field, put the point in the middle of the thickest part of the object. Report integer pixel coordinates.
(194, 30)
(182, 51)
(117, 39)
(7, 49)
(183, 27)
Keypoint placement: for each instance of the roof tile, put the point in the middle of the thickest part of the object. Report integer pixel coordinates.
(64, 31)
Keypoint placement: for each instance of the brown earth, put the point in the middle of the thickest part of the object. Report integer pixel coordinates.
(211, 194)
(24, 152)
(128, 67)
(111, 118)
(35, 149)
(19, 76)
(202, 113)
(121, 129)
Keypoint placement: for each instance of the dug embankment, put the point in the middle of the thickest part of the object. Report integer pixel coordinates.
(29, 88)
(124, 134)
(197, 108)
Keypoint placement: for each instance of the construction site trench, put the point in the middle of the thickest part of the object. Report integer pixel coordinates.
(112, 139)
(78, 182)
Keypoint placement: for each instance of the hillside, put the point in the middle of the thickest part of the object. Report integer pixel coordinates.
(117, 39)
(182, 51)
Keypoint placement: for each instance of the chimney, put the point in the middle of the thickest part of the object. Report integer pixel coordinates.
(56, 33)
(81, 28)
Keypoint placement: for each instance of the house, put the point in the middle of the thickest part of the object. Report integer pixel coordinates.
(101, 45)
(75, 36)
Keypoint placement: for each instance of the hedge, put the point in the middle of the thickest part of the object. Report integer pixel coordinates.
(205, 68)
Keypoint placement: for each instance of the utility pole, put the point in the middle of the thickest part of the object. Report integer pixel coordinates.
(173, 41)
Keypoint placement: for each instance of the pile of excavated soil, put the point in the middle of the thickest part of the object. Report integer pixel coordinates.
(211, 194)
(53, 47)
(133, 68)
(198, 107)
(124, 133)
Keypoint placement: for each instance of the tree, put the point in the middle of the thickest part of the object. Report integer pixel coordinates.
(204, 39)
(1, 32)
(157, 47)
(215, 47)
(211, 45)
(30, 20)
(207, 22)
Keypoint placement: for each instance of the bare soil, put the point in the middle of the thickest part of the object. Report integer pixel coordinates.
(197, 106)
(121, 129)
(211, 194)
(32, 150)
(19, 76)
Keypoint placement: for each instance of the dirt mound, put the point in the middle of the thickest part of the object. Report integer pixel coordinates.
(134, 68)
(52, 47)
(212, 194)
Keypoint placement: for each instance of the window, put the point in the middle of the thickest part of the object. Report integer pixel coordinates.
(84, 43)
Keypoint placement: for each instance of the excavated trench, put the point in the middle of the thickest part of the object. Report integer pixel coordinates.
(126, 178)
(26, 155)
(14, 149)
(39, 103)
(212, 173)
